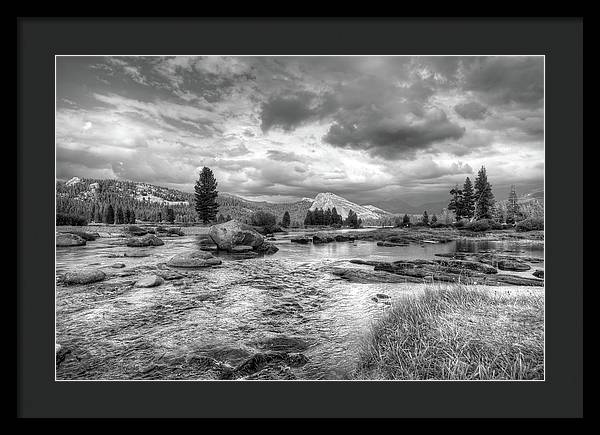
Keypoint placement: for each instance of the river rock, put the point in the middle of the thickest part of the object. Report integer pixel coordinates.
(343, 238)
(233, 233)
(470, 265)
(209, 248)
(302, 239)
(117, 265)
(147, 240)
(83, 276)
(267, 248)
(512, 265)
(67, 239)
(321, 237)
(134, 230)
(149, 281)
(194, 259)
(539, 273)
(86, 235)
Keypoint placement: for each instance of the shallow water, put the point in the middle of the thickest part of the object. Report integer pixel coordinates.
(287, 301)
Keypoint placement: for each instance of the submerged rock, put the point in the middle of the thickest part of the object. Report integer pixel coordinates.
(390, 244)
(83, 277)
(539, 273)
(117, 265)
(147, 240)
(302, 239)
(194, 259)
(67, 239)
(233, 233)
(149, 281)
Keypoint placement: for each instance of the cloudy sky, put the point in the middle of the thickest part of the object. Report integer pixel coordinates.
(283, 128)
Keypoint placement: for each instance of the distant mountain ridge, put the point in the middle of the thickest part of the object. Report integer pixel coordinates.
(328, 200)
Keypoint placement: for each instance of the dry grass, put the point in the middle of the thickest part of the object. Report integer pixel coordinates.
(460, 334)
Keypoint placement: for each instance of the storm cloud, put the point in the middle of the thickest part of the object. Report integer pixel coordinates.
(367, 127)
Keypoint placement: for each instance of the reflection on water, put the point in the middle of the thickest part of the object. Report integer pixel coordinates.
(230, 311)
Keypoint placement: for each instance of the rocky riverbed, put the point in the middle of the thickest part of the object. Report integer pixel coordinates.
(129, 307)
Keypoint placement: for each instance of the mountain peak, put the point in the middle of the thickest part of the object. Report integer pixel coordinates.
(329, 200)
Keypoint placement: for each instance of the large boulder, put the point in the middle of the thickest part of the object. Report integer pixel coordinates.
(83, 277)
(66, 239)
(147, 240)
(234, 233)
(194, 259)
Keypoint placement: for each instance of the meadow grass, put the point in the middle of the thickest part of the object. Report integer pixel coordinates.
(457, 333)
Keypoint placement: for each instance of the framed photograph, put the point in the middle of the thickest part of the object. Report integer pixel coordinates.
(300, 220)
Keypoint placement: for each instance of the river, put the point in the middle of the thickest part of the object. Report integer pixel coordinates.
(288, 301)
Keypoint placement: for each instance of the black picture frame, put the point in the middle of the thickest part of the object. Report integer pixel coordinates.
(560, 40)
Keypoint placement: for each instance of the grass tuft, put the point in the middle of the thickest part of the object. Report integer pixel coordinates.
(457, 333)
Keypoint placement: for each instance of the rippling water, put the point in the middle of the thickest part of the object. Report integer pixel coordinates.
(288, 301)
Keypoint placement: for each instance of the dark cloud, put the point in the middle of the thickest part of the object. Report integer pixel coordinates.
(471, 110)
(504, 80)
(393, 138)
(291, 111)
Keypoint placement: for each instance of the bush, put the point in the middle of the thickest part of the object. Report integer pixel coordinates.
(483, 225)
(460, 224)
(265, 220)
(440, 225)
(70, 219)
(530, 224)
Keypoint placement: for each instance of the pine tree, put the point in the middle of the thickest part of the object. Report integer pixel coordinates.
(352, 219)
(512, 207)
(206, 196)
(127, 216)
(484, 198)
(309, 219)
(285, 221)
(456, 202)
(170, 215)
(132, 217)
(327, 217)
(335, 217)
(406, 220)
(468, 200)
(425, 219)
(109, 215)
(434, 219)
(119, 217)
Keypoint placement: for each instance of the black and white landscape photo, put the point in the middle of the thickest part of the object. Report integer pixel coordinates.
(292, 218)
